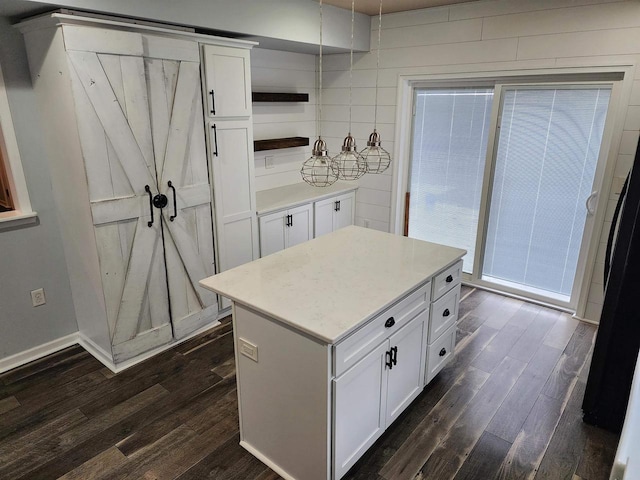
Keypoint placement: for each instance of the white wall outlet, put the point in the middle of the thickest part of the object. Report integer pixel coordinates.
(248, 349)
(37, 297)
(268, 161)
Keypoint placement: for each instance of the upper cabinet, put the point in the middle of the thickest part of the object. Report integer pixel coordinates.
(227, 81)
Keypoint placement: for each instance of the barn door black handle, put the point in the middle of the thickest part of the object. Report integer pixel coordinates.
(175, 203)
(213, 102)
(215, 140)
(148, 190)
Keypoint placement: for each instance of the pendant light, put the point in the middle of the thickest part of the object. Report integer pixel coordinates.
(376, 158)
(349, 164)
(318, 170)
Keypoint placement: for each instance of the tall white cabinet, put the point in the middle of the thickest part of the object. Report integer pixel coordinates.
(123, 106)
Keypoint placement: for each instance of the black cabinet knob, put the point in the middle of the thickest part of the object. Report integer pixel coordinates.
(390, 322)
(443, 352)
(446, 313)
(449, 278)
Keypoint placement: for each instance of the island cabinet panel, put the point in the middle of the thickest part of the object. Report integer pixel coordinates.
(228, 82)
(284, 396)
(360, 408)
(334, 213)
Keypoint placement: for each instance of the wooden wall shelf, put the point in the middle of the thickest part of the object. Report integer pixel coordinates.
(278, 143)
(279, 97)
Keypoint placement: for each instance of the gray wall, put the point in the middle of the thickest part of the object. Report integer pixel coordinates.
(30, 257)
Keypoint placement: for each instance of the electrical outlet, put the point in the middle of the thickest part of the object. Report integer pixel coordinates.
(268, 161)
(248, 349)
(37, 297)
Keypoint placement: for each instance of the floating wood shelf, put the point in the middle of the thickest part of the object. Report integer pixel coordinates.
(279, 97)
(277, 143)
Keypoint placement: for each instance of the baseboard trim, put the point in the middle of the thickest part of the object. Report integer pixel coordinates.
(36, 353)
(586, 320)
(78, 338)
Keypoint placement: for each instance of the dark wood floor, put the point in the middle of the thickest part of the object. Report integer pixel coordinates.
(507, 407)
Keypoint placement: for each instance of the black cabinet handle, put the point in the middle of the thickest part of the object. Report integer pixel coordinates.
(213, 102)
(389, 359)
(449, 279)
(337, 205)
(443, 352)
(148, 190)
(291, 220)
(390, 322)
(394, 355)
(215, 140)
(446, 312)
(175, 203)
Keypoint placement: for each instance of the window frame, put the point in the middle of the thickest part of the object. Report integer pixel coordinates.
(621, 75)
(22, 214)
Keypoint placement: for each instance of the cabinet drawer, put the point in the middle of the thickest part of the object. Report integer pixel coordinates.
(446, 280)
(444, 313)
(440, 352)
(363, 341)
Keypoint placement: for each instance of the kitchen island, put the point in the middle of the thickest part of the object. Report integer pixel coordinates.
(333, 340)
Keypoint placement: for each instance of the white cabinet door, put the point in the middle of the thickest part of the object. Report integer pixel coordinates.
(234, 199)
(323, 216)
(359, 406)
(345, 212)
(272, 233)
(407, 373)
(228, 81)
(300, 228)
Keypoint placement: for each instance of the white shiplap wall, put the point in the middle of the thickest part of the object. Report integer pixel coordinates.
(485, 36)
(277, 71)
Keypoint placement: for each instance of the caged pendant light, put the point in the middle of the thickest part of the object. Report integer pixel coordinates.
(318, 170)
(376, 158)
(349, 164)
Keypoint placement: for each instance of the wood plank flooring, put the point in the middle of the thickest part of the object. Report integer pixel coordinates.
(507, 407)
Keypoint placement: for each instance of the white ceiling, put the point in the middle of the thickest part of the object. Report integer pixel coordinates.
(370, 7)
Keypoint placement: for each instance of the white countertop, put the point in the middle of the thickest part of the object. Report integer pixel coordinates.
(331, 285)
(296, 194)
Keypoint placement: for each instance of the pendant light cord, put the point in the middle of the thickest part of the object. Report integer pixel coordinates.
(351, 63)
(375, 114)
(320, 79)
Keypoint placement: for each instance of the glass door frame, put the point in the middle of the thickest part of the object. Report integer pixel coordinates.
(620, 78)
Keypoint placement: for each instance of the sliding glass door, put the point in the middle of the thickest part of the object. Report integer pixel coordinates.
(545, 161)
(522, 217)
(450, 132)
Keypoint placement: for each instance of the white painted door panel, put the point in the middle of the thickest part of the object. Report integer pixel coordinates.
(323, 216)
(346, 213)
(228, 81)
(301, 228)
(273, 233)
(359, 409)
(231, 159)
(406, 376)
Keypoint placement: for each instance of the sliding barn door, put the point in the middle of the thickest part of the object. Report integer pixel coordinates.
(115, 131)
(181, 160)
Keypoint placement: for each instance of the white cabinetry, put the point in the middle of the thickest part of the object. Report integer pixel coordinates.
(285, 229)
(227, 78)
(373, 393)
(334, 213)
(130, 177)
(228, 82)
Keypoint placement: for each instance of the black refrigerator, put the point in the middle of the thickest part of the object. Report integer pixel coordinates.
(618, 338)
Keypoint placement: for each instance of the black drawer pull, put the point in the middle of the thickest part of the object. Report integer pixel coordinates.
(394, 355)
(389, 360)
(443, 352)
(446, 312)
(449, 278)
(390, 322)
